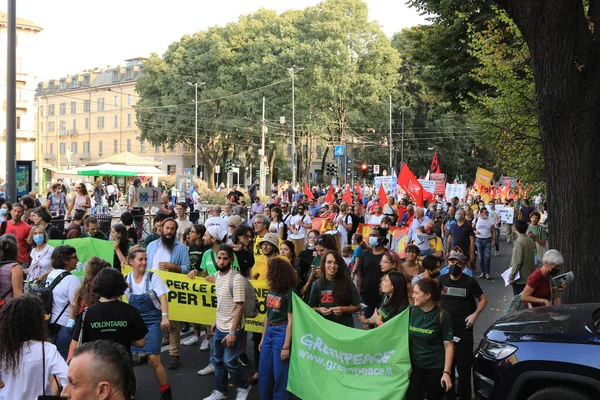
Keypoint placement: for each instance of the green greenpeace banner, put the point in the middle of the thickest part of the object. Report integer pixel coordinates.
(331, 361)
(86, 249)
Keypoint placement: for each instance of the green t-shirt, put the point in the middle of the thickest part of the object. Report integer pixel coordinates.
(209, 260)
(427, 336)
(321, 295)
(541, 232)
(279, 305)
(385, 313)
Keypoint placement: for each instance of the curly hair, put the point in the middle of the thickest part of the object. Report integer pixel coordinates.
(281, 276)
(341, 291)
(21, 320)
(109, 283)
(60, 256)
(84, 297)
(240, 231)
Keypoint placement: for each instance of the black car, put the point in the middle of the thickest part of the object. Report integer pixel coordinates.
(546, 353)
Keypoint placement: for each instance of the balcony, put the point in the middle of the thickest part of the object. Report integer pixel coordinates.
(73, 132)
(21, 76)
(22, 104)
(49, 157)
(84, 156)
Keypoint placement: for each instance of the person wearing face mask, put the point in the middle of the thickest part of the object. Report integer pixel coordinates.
(40, 254)
(538, 291)
(485, 238)
(462, 236)
(464, 300)
(432, 265)
(4, 216)
(447, 222)
(456, 257)
(369, 270)
(495, 216)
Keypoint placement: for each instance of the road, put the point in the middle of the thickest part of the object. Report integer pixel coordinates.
(187, 384)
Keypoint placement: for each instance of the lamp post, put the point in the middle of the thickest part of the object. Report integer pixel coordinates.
(195, 85)
(402, 151)
(293, 71)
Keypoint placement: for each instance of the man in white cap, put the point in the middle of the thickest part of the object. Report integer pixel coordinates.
(215, 219)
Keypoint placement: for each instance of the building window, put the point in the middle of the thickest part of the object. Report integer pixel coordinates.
(116, 121)
(74, 126)
(51, 151)
(100, 147)
(100, 122)
(73, 107)
(128, 144)
(116, 101)
(142, 146)
(19, 122)
(73, 147)
(319, 152)
(86, 81)
(63, 127)
(62, 148)
(63, 84)
(86, 147)
(128, 73)
(115, 76)
(51, 126)
(75, 82)
(87, 123)
(101, 104)
(86, 106)
(289, 150)
(129, 99)
(156, 148)
(63, 108)
(129, 119)
(115, 146)
(51, 110)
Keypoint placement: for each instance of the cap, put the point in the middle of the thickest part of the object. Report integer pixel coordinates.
(455, 255)
(271, 238)
(235, 220)
(217, 232)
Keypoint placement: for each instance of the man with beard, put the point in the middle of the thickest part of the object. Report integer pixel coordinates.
(169, 254)
(460, 294)
(301, 222)
(286, 217)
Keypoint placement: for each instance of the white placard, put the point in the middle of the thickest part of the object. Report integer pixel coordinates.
(456, 190)
(387, 181)
(146, 197)
(507, 214)
(429, 186)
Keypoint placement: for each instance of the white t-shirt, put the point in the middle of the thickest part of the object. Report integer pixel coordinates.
(376, 219)
(196, 200)
(110, 189)
(162, 255)
(216, 221)
(298, 221)
(27, 383)
(484, 226)
(63, 292)
(275, 227)
(40, 262)
(156, 284)
(341, 219)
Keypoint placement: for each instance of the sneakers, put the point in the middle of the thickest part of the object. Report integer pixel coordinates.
(488, 276)
(481, 276)
(205, 345)
(244, 360)
(185, 327)
(241, 393)
(216, 395)
(173, 362)
(208, 370)
(497, 253)
(192, 340)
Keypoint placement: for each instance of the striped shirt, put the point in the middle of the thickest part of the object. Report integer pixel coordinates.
(225, 303)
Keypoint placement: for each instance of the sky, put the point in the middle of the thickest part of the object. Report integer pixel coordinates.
(84, 34)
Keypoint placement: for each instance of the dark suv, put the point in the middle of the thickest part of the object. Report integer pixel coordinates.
(546, 353)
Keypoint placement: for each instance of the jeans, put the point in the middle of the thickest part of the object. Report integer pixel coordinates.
(463, 361)
(273, 372)
(425, 381)
(484, 252)
(226, 361)
(497, 239)
(62, 340)
(256, 338)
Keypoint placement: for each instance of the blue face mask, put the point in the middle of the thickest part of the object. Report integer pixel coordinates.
(456, 217)
(373, 241)
(38, 239)
(3, 211)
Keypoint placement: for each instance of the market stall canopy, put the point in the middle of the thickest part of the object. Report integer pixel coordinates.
(119, 170)
(125, 158)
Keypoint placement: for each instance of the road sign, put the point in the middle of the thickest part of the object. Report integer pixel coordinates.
(339, 151)
(376, 169)
(333, 181)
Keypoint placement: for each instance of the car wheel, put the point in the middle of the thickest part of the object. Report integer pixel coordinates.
(559, 393)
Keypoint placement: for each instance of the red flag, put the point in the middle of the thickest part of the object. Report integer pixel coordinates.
(308, 192)
(420, 202)
(329, 198)
(435, 164)
(358, 191)
(347, 196)
(410, 184)
(382, 196)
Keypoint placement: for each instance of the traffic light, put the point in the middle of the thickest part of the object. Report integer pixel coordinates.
(267, 171)
(333, 169)
(228, 166)
(364, 167)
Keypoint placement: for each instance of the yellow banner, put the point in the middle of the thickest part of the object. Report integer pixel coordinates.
(484, 177)
(195, 300)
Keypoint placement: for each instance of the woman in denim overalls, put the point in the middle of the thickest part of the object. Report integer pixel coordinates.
(148, 293)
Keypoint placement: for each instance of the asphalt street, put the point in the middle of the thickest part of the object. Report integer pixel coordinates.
(187, 384)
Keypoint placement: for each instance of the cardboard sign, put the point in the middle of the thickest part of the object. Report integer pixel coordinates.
(507, 214)
(147, 197)
(387, 181)
(456, 190)
(429, 186)
(484, 177)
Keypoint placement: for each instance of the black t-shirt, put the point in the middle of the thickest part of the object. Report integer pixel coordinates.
(112, 320)
(370, 275)
(305, 259)
(461, 236)
(245, 260)
(132, 234)
(458, 299)
(196, 251)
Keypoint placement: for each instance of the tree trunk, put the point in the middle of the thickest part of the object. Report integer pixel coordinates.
(564, 50)
(323, 164)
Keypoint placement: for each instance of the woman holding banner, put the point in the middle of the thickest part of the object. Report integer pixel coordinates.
(431, 344)
(334, 296)
(395, 300)
(277, 334)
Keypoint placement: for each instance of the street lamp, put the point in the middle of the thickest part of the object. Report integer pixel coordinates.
(402, 151)
(195, 85)
(293, 71)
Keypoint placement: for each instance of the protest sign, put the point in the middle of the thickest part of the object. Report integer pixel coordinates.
(146, 197)
(507, 214)
(386, 181)
(438, 177)
(332, 361)
(484, 177)
(86, 249)
(429, 186)
(195, 300)
(456, 190)
(440, 187)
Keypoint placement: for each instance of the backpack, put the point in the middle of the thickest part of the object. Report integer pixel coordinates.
(45, 294)
(251, 306)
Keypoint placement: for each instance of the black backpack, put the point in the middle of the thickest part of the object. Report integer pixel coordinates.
(45, 294)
